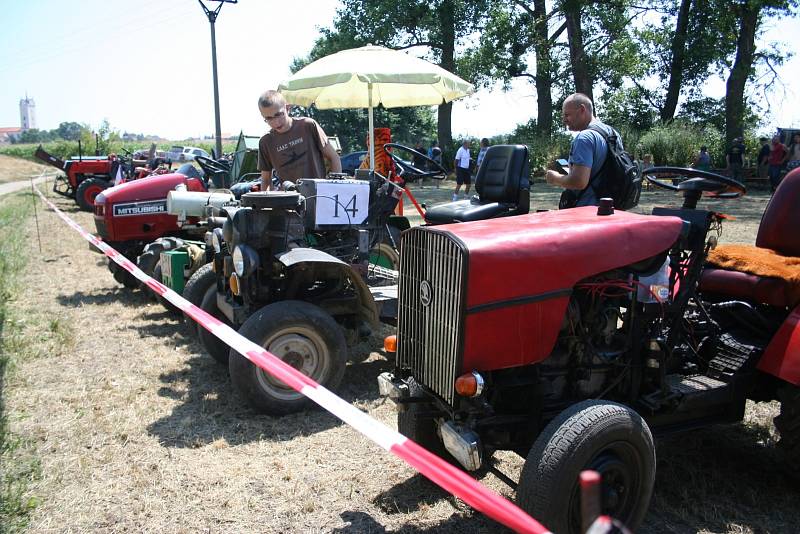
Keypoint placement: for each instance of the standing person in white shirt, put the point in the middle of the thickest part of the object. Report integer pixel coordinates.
(461, 165)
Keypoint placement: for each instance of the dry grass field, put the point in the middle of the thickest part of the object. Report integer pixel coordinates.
(13, 169)
(136, 429)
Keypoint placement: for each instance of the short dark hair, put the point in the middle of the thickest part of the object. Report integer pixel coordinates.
(763, 139)
(704, 148)
(270, 98)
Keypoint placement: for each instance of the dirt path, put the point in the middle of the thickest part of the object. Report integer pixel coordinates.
(138, 430)
(11, 187)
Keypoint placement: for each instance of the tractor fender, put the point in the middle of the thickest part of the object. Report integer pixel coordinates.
(782, 356)
(304, 256)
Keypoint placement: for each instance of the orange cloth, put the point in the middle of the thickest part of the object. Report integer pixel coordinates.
(383, 162)
(758, 261)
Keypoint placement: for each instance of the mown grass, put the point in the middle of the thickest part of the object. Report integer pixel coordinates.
(19, 466)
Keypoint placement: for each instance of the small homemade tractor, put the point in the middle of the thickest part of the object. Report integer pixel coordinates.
(133, 216)
(571, 337)
(300, 273)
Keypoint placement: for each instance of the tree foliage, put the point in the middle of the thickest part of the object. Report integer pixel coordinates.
(441, 29)
(646, 62)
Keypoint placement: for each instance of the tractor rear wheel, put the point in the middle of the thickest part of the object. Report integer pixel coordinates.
(87, 190)
(305, 337)
(788, 424)
(123, 277)
(602, 436)
(383, 255)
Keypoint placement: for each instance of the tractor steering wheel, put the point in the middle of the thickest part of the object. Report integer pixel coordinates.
(210, 166)
(695, 183)
(438, 172)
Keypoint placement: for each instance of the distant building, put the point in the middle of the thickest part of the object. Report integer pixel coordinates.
(7, 134)
(27, 113)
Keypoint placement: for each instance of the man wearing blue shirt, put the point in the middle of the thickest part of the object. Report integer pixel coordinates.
(587, 153)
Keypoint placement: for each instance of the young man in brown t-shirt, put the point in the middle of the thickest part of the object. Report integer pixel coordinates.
(294, 147)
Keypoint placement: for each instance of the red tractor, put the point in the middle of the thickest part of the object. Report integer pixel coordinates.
(572, 337)
(84, 177)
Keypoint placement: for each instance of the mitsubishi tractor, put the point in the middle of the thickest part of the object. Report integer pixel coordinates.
(572, 337)
(133, 218)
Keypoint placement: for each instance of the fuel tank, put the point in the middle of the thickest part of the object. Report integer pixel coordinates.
(137, 210)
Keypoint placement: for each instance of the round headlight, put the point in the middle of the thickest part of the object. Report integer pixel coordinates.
(217, 240)
(238, 261)
(245, 260)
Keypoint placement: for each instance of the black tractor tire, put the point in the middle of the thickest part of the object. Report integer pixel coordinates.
(215, 347)
(197, 285)
(124, 277)
(87, 190)
(604, 436)
(304, 336)
(788, 424)
(419, 428)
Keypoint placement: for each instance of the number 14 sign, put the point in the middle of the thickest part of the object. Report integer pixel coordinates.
(342, 202)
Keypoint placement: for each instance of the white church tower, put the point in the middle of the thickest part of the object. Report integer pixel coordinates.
(27, 113)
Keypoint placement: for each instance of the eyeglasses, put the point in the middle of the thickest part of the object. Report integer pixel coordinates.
(278, 115)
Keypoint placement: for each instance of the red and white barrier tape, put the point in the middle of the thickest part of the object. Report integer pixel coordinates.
(437, 470)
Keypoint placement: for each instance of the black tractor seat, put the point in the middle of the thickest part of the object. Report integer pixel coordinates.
(502, 186)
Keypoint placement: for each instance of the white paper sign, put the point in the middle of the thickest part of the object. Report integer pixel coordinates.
(342, 202)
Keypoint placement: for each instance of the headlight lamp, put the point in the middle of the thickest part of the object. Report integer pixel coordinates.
(217, 240)
(245, 260)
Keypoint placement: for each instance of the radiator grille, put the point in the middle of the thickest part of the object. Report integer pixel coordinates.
(430, 309)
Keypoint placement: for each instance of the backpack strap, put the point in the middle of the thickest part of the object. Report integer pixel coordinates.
(607, 138)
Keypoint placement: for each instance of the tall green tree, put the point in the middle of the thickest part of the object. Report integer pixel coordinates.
(584, 82)
(749, 18)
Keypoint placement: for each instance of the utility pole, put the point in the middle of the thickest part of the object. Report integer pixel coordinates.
(212, 19)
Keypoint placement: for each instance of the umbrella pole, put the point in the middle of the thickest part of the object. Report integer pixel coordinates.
(371, 130)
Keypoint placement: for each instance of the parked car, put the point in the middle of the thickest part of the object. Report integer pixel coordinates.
(186, 153)
(352, 161)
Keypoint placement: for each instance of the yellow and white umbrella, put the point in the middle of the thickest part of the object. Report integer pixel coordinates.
(371, 75)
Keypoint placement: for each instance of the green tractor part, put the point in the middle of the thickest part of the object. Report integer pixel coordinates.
(178, 264)
(173, 267)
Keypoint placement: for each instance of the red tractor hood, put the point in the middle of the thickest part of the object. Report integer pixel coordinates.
(521, 271)
(151, 187)
(534, 254)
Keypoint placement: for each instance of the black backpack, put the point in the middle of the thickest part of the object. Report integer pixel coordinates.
(618, 178)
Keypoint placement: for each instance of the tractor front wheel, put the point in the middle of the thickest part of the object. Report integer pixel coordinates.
(305, 337)
(197, 286)
(87, 190)
(602, 436)
(214, 346)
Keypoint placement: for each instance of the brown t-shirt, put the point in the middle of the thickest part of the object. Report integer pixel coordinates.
(294, 154)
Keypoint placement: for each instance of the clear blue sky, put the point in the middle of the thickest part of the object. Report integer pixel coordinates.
(146, 66)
